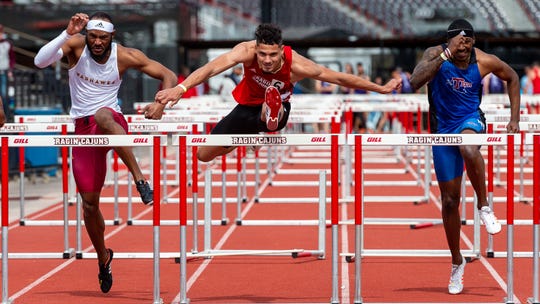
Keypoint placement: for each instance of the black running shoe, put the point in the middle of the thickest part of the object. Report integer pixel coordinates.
(105, 274)
(147, 194)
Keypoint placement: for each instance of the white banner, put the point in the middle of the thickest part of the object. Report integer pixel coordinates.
(260, 140)
(433, 139)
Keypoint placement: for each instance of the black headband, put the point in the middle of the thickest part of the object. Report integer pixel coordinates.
(464, 32)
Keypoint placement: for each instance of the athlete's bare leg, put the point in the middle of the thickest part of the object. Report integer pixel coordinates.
(474, 162)
(105, 121)
(95, 224)
(208, 153)
(450, 196)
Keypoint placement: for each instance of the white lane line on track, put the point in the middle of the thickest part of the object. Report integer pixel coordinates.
(345, 290)
(467, 241)
(198, 272)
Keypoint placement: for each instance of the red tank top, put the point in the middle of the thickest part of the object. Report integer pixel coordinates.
(250, 90)
(536, 81)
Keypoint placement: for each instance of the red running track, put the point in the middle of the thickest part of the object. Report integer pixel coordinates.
(275, 279)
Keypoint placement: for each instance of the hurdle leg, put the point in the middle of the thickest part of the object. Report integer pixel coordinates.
(498, 177)
(116, 190)
(130, 200)
(156, 217)
(208, 210)
(182, 210)
(78, 231)
(346, 180)
(21, 185)
(322, 214)
(489, 251)
(510, 220)
(164, 173)
(257, 176)
(195, 213)
(195, 196)
(521, 174)
(536, 218)
(358, 218)
(334, 165)
(5, 219)
(269, 168)
(238, 186)
(464, 198)
(535, 298)
(427, 173)
(244, 174)
(65, 192)
(476, 228)
(224, 219)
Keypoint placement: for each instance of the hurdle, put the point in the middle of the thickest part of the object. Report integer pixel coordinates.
(40, 124)
(21, 129)
(258, 140)
(536, 221)
(425, 139)
(400, 104)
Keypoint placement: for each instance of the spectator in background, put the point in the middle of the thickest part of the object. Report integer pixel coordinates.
(2, 115)
(184, 72)
(323, 87)
(405, 76)
(359, 118)
(7, 64)
(493, 85)
(535, 77)
(348, 68)
(525, 82)
(376, 120)
(229, 82)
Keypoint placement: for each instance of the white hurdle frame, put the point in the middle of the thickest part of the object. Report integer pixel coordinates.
(258, 140)
(428, 139)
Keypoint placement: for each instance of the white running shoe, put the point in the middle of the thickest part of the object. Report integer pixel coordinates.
(490, 220)
(456, 278)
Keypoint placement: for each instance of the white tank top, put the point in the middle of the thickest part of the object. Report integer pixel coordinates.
(93, 85)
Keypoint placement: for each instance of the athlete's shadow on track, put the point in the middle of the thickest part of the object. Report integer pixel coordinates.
(471, 291)
(99, 297)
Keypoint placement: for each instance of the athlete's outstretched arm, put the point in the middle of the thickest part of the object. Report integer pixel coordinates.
(241, 53)
(306, 68)
(134, 58)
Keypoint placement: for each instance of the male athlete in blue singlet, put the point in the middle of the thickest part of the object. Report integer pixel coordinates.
(455, 71)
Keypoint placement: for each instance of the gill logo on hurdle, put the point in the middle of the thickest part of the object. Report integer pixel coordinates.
(434, 139)
(72, 140)
(260, 140)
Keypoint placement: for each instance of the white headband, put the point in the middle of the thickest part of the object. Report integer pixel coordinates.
(100, 25)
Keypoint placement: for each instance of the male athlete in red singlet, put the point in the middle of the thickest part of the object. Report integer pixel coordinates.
(270, 72)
